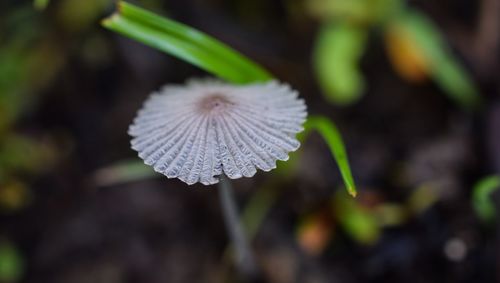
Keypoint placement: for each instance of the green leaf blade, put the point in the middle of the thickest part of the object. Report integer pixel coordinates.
(329, 132)
(185, 43)
(173, 46)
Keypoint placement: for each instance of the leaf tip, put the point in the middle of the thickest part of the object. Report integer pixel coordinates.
(352, 191)
(106, 22)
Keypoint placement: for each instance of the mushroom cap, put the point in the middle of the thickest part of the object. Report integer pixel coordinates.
(204, 128)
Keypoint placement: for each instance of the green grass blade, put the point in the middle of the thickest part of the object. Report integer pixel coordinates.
(198, 38)
(185, 43)
(327, 129)
(481, 197)
(446, 70)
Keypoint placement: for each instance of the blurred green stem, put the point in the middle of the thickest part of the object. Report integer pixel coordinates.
(244, 257)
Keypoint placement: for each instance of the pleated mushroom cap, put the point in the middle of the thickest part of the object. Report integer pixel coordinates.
(205, 128)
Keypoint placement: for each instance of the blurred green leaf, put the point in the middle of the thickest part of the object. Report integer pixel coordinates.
(390, 214)
(123, 172)
(40, 4)
(14, 195)
(445, 69)
(11, 263)
(481, 197)
(361, 224)
(29, 59)
(19, 153)
(78, 15)
(15, 63)
(328, 131)
(258, 207)
(336, 56)
(422, 198)
(185, 43)
(354, 11)
(384, 10)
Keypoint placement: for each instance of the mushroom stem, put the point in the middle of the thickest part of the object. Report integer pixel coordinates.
(244, 258)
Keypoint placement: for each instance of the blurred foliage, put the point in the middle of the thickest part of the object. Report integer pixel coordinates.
(357, 220)
(482, 197)
(41, 4)
(442, 66)
(258, 206)
(407, 58)
(23, 154)
(338, 50)
(20, 157)
(29, 59)
(361, 219)
(11, 263)
(315, 231)
(32, 54)
(76, 15)
(415, 47)
(363, 12)
(123, 172)
(422, 198)
(14, 195)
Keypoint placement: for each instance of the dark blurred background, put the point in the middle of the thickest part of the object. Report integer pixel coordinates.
(76, 205)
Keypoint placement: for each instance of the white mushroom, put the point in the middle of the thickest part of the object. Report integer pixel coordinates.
(200, 130)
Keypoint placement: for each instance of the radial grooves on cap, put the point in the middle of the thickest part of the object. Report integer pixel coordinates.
(258, 148)
(162, 145)
(168, 148)
(193, 174)
(190, 163)
(253, 155)
(228, 163)
(178, 157)
(245, 129)
(268, 140)
(246, 166)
